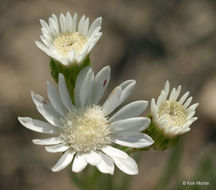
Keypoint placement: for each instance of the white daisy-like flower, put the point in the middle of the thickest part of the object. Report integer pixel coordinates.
(86, 131)
(67, 40)
(173, 117)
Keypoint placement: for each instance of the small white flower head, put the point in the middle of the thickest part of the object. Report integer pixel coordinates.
(86, 130)
(67, 40)
(172, 116)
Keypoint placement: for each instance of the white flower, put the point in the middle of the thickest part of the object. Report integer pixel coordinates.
(85, 131)
(173, 116)
(68, 41)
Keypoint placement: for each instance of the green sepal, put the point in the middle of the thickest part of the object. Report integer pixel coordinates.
(161, 142)
(70, 73)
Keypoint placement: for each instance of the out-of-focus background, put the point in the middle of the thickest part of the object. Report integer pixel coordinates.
(149, 41)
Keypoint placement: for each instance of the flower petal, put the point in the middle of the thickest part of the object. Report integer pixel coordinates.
(187, 103)
(184, 97)
(85, 27)
(64, 161)
(112, 101)
(106, 165)
(127, 88)
(38, 126)
(79, 163)
(134, 140)
(48, 141)
(93, 158)
(135, 124)
(122, 160)
(69, 22)
(43, 48)
(130, 110)
(64, 94)
(100, 84)
(55, 99)
(97, 22)
(46, 110)
(62, 21)
(57, 148)
(84, 87)
(117, 96)
(81, 24)
(74, 22)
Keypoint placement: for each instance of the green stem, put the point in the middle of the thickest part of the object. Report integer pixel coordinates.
(171, 168)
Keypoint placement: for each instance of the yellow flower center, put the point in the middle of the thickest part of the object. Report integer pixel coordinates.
(71, 41)
(86, 129)
(173, 112)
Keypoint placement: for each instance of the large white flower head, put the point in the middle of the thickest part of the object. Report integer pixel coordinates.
(173, 117)
(86, 130)
(67, 40)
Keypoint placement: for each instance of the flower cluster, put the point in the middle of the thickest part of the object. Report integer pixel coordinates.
(85, 130)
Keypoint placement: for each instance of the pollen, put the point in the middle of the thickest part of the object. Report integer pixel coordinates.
(70, 41)
(86, 129)
(173, 112)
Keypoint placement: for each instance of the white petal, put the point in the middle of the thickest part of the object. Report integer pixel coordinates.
(64, 94)
(38, 126)
(94, 42)
(46, 110)
(117, 96)
(55, 99)
(177, 93)
(93, 158)
(192, 107)
(57, 148)
(122, 160)
(188, 123)
(62, 21)
(85, 27)
(45, 25)
(191, 115)
(48, 141)
(96, 35)
(161, 98)
(81, 24)
(79, 163)
(172, 94)
(74, 22)
(134, 140)
(127, 88)
(112, 101)
(185, 130)
(130, 110)
(183, 98)
(69, 22)
(106, 165)
(44, 40)
(187, 103)
(55, 24)
(43, 47)
(94, 25)
(135, 124)
(100, 84)
(52, 27)
(64, 161)
(84, 87)
(166, 88)
(114, 152)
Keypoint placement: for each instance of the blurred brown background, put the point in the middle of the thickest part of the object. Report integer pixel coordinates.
(150, 41)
